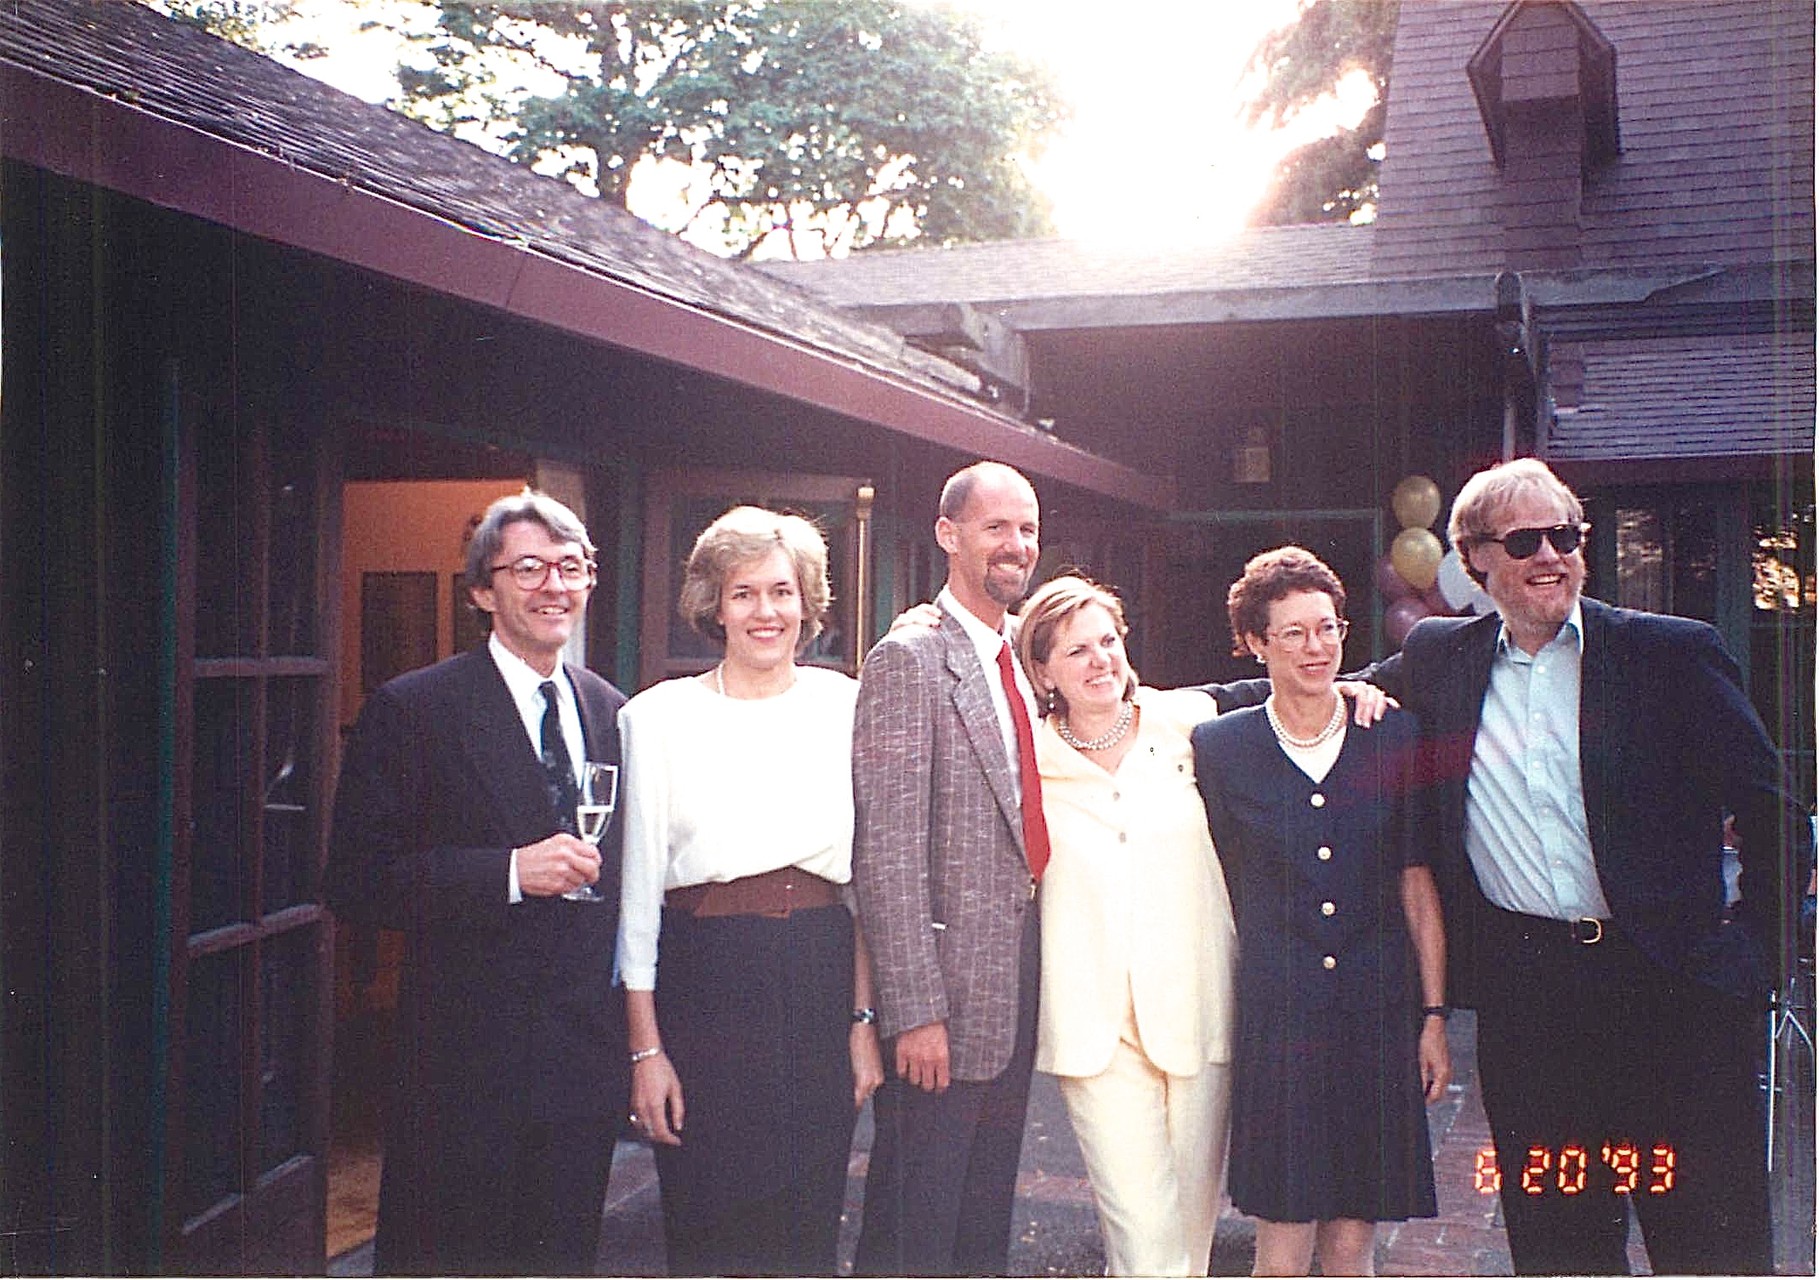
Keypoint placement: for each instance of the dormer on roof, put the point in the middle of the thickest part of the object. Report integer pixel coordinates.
(1546, 53)
(1546, 83)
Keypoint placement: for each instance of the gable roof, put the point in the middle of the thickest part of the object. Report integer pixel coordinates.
(1721, 174)
(110, 92)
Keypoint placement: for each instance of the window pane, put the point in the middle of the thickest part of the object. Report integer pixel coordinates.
(1640, 580)
(288, 999)
(223, 762)
(211, 1082)
(292, 623)
(288, 789)
(1695, 563)
(226, 546)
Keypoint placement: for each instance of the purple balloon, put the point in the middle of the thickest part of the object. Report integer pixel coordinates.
(1436, 603)
(1399, 619)
(1392, 584)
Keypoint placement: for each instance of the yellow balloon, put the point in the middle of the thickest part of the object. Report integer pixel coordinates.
(1416, 502)
(1416, 555)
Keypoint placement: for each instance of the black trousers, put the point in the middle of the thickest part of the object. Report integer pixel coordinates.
(943, 1171)
(524, 1200)
(1610, 1082)
(755, 1013)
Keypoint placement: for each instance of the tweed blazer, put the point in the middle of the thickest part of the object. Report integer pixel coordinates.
(938, 862)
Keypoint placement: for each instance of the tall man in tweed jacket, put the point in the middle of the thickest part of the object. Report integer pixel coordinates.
(946, 898)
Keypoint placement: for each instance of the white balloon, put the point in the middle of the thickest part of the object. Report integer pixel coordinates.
(1458, 588)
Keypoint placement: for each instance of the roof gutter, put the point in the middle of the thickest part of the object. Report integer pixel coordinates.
(83, 135)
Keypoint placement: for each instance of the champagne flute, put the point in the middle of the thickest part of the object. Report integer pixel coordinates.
(593, 814)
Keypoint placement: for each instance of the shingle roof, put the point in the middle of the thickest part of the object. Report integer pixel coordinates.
(1706, 396)
(1715, 106)
(132, 54)
(1021, 270)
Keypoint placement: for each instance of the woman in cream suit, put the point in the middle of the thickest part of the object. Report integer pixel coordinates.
(1137, 937)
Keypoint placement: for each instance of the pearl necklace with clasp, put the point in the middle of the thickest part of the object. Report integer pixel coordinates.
(1333, 725)
(1110, 738)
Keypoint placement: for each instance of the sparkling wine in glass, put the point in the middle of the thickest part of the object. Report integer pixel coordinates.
(593, 814)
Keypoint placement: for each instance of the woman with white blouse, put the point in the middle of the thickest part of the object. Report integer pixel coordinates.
(1137, 937)
(748, 991)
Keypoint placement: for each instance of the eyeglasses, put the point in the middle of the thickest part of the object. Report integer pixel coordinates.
(1332, 631)
(531, 572)
(1520, 544)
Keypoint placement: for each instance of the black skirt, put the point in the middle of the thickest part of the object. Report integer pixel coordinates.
(755, 1013)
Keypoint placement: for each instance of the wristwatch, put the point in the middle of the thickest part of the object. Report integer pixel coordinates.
(867, 1015)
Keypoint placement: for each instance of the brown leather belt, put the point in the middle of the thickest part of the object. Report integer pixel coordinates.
(770, 893)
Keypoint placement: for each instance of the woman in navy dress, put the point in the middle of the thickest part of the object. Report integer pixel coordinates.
(1341, 971)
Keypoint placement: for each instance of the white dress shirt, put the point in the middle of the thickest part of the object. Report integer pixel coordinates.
(988, 642)
(526, 687)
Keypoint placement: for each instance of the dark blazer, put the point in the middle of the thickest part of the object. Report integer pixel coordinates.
(938, 859)
(507, 1012)
(1668, 742)
(1294, 907)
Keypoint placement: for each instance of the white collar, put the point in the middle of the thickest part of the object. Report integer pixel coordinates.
(986, 639)
(524, 680)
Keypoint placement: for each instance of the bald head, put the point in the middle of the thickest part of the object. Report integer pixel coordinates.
(989, 526)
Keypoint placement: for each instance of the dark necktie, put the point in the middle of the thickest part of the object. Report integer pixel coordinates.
(564, 795)
(1035, 824)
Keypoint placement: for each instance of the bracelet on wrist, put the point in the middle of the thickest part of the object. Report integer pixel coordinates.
(867, 1016)
(1440, 1011)
(645, 1055)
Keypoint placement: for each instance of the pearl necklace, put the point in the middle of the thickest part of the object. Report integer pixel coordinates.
(1110, 738)
(1333, 726)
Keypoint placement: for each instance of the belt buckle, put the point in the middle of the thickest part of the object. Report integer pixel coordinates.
(1587, 931)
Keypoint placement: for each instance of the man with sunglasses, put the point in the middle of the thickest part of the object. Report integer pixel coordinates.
(1583, 758)
(455, 822)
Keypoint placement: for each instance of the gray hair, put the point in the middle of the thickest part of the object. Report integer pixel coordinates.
(531, 507)
(1490, 490)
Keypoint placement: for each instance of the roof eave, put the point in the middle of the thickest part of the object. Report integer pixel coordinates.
(86, 136)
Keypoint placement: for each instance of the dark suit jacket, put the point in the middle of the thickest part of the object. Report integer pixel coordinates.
(1668, 742)
(507, 1012)
(938, 859)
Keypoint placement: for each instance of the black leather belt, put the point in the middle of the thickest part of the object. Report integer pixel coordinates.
(1586, 931)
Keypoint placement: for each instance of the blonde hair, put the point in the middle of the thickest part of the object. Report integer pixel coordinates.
(1489, 491)
(1052, 604)
(740, 536)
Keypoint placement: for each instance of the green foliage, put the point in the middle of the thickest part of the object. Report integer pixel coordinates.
(1332, 178)
(858, 118)
(247, 23)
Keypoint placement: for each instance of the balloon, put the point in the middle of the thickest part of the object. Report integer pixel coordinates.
(1435, 600)
(1401, 617)
(1457, 586)
(1416, 553)
(1416, 502)
(1392, 584)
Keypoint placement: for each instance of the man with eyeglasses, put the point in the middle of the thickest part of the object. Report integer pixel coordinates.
(1583, 758)
(455, 822)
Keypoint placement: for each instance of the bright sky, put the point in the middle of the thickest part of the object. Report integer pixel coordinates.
(1156, 152)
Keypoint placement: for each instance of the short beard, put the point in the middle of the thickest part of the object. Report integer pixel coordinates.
(1008, 598)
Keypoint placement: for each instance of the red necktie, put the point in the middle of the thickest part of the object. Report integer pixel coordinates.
(1035, 825)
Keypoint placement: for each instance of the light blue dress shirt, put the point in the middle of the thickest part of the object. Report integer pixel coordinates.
(1525, 827)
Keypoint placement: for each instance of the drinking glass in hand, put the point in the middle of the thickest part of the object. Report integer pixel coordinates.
(593, 814)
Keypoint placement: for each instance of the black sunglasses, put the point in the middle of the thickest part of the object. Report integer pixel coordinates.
(1520, 544)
